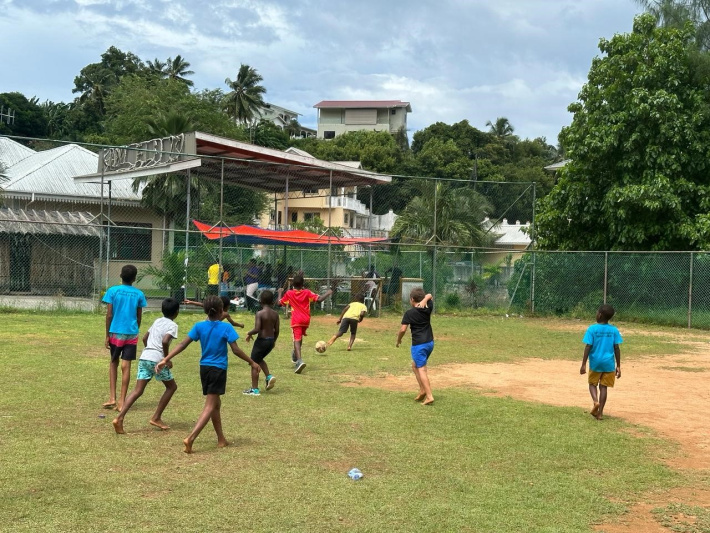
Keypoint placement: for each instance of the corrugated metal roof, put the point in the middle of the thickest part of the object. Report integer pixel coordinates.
(557, 166)
(50, 173)
(370, 104)
(11, 152)
(30, 221)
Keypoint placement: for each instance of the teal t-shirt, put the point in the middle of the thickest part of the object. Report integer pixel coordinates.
(214, 337)
(125, 300)
(602, 338)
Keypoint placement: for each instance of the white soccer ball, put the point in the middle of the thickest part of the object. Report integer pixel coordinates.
(321, 346)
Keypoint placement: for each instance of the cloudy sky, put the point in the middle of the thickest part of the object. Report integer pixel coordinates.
(452, 59)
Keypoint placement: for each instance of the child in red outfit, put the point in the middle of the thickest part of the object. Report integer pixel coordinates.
(300, 301)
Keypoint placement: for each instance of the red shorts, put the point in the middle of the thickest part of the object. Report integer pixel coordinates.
(299, 332)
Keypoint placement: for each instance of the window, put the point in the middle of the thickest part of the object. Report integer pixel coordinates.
(131, 241)
(361, 116)
(346, 219)
(394, 111)
(294, 216)
(312, 190)
(278, 215)
(329, 134)
(310, 217)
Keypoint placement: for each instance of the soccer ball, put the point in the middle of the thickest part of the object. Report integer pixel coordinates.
(321, 346)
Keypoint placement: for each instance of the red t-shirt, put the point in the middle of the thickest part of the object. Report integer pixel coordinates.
(300, 302)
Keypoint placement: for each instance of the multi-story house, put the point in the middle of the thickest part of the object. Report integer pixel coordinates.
(336, 117)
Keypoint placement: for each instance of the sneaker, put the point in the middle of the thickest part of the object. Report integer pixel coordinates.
(270, 380)
(251, 392)
(299, 367)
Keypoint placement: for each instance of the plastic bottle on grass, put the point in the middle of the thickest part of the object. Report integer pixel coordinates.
(355, 474)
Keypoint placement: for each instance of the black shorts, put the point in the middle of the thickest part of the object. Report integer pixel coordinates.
(127, 352)
(348, 323)
(214, 380)
(262, 348)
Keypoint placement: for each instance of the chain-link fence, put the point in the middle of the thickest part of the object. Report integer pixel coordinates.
(63, 238)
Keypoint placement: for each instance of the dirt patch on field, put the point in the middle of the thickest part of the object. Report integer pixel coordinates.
(668, 394)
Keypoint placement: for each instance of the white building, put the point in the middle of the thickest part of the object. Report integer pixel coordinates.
(336, 117)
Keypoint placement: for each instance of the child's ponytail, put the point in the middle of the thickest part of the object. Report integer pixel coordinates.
(213, 307)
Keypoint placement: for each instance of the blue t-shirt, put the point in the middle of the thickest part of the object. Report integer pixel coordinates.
(125, 300)
(602, 338)
(214, 336)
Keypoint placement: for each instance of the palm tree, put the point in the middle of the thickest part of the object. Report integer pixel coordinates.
(157, 68)
(95, 87)
(171, 123)
(676, 13)
(177, 69)
(460, 212)
(501, 128)
(245, 100)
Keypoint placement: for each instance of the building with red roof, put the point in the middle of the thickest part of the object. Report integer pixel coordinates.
(336, 117)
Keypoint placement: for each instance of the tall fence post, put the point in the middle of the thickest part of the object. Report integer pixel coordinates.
(433, 261)
(690, 293)
(532, 243)
(606, 273)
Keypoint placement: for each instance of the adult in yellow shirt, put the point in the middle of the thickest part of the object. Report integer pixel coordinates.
(352, 315)
(213, 279)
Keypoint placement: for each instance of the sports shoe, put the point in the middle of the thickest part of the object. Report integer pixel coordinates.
(299, 367)
(251, 392)
(270, 380)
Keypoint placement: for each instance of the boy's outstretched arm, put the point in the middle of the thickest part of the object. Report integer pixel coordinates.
(401, 333)
(236, 350)
(179, 348)
(617, 355)
(226, 316)
(587, 349)
(323, 296)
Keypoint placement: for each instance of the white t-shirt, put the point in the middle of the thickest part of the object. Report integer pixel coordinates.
(154, 350)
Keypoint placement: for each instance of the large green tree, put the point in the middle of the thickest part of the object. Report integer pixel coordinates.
(677, 13)
(246, 96)
(640, 148)
(30, 119)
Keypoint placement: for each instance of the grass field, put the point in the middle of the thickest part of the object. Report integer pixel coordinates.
(471, 462)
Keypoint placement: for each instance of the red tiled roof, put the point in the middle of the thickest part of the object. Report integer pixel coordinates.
(350, 104)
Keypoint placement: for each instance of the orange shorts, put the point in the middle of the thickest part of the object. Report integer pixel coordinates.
(299, 332)
(606, 379)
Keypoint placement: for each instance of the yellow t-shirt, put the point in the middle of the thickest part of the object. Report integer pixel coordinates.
(354, 310)
(213, 274)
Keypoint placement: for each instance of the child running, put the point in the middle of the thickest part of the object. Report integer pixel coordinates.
(266, 326)
(157, 343)
(602, 349)
(123, 320)
(419, 318)
(352, 315)
(214, 337)
(300, 301)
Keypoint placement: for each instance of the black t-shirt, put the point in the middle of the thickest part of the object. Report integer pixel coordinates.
(419, 321)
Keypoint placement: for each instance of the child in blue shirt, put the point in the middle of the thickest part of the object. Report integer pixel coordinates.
(123, 319)
(602, 349)
(214, 337)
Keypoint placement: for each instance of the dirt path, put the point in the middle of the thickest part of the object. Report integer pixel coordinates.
(668, 394)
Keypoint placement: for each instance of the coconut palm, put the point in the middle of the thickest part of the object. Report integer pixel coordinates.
(501, 128)
(460, 212)
(177, 69)
(157, 68)
(95, 86)
(171, 123)
(246, 98)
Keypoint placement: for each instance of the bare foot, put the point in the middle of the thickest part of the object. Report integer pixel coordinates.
(188, 445)
(159, 424)
(109, 404)
(350, 349)
(118, 408)
(420, 397)
(599, 416)
(594, 410)
(118, 426)
(428, 401)
(222, 444)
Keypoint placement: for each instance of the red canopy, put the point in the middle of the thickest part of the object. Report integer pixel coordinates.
(252, 235)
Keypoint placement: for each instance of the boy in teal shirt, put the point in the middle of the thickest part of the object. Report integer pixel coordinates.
(602, 349)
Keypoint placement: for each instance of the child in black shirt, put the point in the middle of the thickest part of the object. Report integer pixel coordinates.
(419, 318)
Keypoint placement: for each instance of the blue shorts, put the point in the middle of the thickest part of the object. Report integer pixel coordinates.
(146, 370)
(421, 353)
